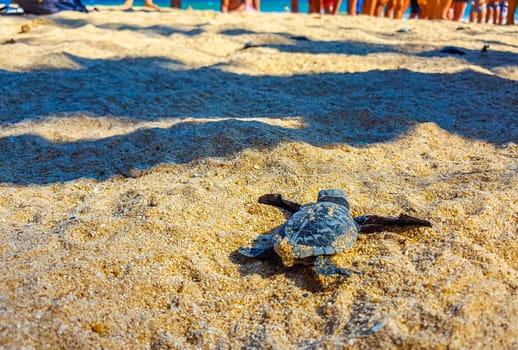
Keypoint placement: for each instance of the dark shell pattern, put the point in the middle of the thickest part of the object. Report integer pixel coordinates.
(323, 228)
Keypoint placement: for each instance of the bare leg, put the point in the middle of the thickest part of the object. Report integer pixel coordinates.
(151, 5)
(496, 14)
(481, 16)
(315, 6)
(380, 5)
(127, 5)
(177, 4)
(502, 17)
(295, 6)
(311, 6)
(432, 8)
(336, 6)
(438, 9)
(444, 7)
(510, 11)
(389, 9)
(351, 7)
(368, 8)
(400, 9)
(489, 13)
(458, 10)
(450, 14)
(424, 12)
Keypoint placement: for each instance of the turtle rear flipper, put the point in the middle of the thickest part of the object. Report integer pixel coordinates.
(376, 223)
(324, 266)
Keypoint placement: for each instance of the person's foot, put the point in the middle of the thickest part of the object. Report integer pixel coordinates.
(128, 4)
(149, 4)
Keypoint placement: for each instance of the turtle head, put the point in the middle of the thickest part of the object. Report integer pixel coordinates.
(334, 196)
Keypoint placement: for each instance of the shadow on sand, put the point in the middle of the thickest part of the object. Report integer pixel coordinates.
(488, 60)
(303, 276)
(335, 108)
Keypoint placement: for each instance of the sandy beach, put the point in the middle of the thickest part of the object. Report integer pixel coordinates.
(134, 147)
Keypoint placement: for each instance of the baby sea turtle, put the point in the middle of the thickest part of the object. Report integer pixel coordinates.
(316, 231)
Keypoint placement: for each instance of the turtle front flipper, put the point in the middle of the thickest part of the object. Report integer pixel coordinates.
(261, 249)
(324, 266)
(277, 201)
(376, 223)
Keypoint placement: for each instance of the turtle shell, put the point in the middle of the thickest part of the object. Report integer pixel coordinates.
(318, 229)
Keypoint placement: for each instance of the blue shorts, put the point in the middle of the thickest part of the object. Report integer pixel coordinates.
(359, 5)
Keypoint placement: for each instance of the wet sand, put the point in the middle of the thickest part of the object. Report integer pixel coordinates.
(134, 146)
